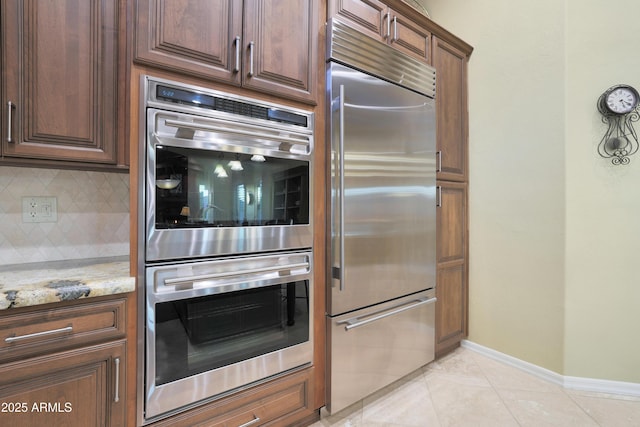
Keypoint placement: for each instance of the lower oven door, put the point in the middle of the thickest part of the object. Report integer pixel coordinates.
(216, 326)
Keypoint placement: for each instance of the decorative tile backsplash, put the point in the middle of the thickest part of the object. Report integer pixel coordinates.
(92, 215)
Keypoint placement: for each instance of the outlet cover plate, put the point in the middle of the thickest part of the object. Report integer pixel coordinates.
(39, 209)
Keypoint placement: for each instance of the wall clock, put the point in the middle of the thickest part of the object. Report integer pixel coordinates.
(619, 108)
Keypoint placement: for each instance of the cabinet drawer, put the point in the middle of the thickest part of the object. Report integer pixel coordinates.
(281, 402)
(266, 409)
(28, 334)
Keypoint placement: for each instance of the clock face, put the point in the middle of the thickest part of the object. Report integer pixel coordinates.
(622, 100)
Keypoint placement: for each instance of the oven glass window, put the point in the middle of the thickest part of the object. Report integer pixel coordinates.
(204, 188)
(205, 333)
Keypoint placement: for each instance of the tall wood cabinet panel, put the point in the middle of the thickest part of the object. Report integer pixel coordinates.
(450, 59)
(452, 256)
(60, 80)
(451, 106)
(264, 45)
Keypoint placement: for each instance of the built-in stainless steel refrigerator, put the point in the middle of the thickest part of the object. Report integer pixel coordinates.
(380, 306)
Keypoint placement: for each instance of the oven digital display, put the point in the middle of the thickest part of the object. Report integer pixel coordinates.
(185, 97)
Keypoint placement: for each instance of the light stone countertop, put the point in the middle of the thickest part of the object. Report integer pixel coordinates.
(23, 285)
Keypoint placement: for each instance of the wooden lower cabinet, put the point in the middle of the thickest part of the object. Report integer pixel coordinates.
(452, 266)
(286, 401)
(81, 387)
(451, 307)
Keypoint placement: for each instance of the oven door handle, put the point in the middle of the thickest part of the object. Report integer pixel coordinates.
(238, 131)
(227, 274)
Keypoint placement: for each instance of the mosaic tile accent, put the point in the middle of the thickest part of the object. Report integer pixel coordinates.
(93, 215)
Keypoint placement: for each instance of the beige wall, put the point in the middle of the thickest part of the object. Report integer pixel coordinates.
(555, 229)
(603, 201)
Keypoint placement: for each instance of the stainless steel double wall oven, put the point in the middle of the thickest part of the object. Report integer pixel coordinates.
(225, 244)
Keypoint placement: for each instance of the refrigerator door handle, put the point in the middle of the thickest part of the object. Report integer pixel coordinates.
(355, 322)
(340, 269)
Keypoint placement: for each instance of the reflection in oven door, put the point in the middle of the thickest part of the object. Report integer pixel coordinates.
(214, 326)
(210, 332)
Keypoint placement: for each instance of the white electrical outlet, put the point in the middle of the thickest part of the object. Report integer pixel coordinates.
(39, 209)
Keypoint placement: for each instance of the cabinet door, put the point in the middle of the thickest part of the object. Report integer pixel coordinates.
(452, 261)
(365, 15)
(451, 106)
(451, 218)
(83, 387)
(60, 74)
(198, 37)
(451, 307)
(409, 37)
(280, 39)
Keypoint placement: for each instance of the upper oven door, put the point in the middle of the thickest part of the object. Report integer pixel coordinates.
(216, 186)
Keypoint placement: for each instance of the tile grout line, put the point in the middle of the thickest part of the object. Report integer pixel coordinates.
(495, 389)
(564, 390)
(433, 405)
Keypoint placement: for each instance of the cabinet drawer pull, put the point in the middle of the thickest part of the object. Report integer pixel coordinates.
(39, 334)
(237, 67)
(387, 24)
(439, 196)
(395, 29)
(252, 422)
(9, 118)
(251, 59)
(439, 161)
(116, 397)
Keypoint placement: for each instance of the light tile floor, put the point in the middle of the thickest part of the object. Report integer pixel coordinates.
(465, 388)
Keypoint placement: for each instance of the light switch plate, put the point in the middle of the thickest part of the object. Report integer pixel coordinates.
(39, 209)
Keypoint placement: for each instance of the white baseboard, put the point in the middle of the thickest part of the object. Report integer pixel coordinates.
(574, 383)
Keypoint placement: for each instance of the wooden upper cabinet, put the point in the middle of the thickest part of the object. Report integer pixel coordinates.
(409, 37)
(60, 86)
(274, 51)
(451, 106)
(281, 39)
(196, 37)
(365, 15)
(385, 24)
